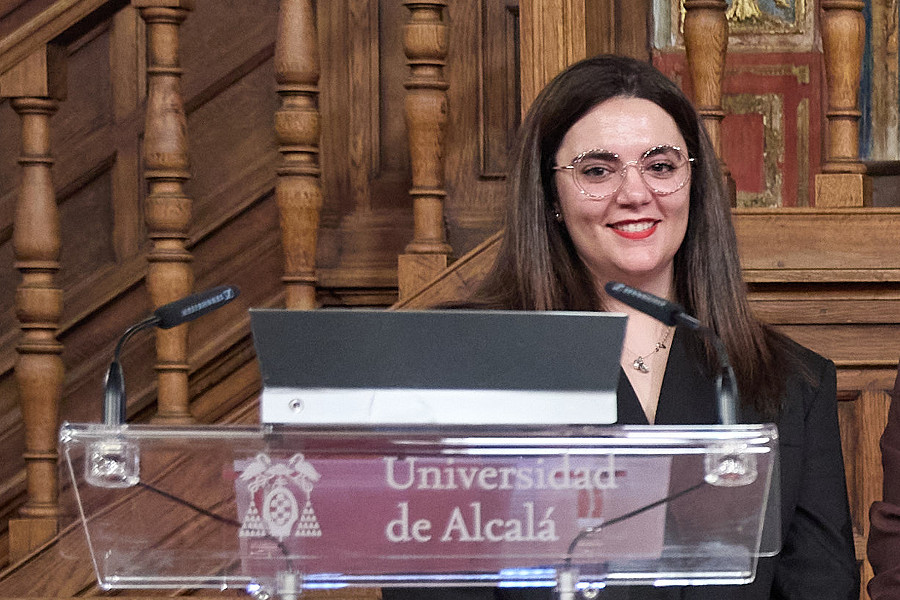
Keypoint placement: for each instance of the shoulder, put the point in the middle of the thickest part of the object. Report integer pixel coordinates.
(803, 358)
(809, 401)
(807, 380)
(808, 375)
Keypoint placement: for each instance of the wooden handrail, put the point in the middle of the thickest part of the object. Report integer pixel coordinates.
(41, 30)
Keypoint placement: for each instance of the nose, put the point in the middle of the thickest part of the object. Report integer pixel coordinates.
(633, 189)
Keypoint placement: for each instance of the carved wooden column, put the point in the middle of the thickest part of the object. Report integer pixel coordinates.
(35, 86)
(706, 43)
(843, 181)
(425, 44)
(168, 210)
(298, 191)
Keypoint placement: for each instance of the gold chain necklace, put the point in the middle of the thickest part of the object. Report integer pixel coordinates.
(639, 363)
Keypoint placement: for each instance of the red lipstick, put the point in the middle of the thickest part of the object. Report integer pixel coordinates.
(634, 230)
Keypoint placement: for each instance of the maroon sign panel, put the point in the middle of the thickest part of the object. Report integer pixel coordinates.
(369, 515)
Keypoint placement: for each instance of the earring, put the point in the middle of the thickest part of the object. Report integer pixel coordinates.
(557, 215)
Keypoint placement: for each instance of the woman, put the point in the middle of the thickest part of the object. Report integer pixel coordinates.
(615, 179)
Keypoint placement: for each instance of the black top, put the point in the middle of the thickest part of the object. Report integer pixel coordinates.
(817, 560)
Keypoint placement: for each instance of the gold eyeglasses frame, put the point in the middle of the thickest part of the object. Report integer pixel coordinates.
(638, 164)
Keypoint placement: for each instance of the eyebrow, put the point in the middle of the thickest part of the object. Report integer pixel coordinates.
(660, 149)
(604, 154)
(597, 153)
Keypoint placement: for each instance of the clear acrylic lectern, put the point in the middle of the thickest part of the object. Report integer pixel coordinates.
(277, 510)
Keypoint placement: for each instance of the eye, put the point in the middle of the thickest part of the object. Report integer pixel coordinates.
(594, 170)
(659, 167)
(662, 162)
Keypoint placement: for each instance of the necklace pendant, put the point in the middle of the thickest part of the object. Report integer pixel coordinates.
(639, 365)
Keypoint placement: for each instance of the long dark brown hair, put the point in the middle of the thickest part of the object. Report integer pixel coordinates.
(537, 267)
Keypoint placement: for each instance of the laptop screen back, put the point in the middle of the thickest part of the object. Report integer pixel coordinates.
(364, 367)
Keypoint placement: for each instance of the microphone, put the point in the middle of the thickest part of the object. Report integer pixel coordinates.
(166, 316)
(660, 309)
(672, 314)
(193, 306)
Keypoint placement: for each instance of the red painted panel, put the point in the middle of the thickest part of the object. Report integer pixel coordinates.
(791, 79)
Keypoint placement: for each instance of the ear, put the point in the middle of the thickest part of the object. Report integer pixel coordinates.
(557, 212)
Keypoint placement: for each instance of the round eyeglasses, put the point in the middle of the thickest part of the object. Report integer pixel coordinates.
(600, 173)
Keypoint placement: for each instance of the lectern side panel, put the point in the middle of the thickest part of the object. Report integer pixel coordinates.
(240, 507)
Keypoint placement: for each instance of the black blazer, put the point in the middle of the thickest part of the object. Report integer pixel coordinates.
(817, 560)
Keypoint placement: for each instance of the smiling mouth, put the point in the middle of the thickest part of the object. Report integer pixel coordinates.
(634, 230)
(633, 226)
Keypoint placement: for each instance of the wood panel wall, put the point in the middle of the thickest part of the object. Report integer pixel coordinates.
(830, 279)
(229, 93)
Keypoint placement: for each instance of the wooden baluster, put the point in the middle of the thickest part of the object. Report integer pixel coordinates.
(168, 211)
(425, 44)
(871, 410)
(706, 43)
(843, 181)
(298, 191)
(35, 87)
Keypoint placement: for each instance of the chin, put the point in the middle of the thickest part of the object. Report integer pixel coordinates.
(642, 274)
(641, 270)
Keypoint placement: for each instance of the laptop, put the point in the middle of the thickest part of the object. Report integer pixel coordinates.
(437, 367)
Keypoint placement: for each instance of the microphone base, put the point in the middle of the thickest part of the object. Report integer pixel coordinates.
(730, 465)
(112, 464)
